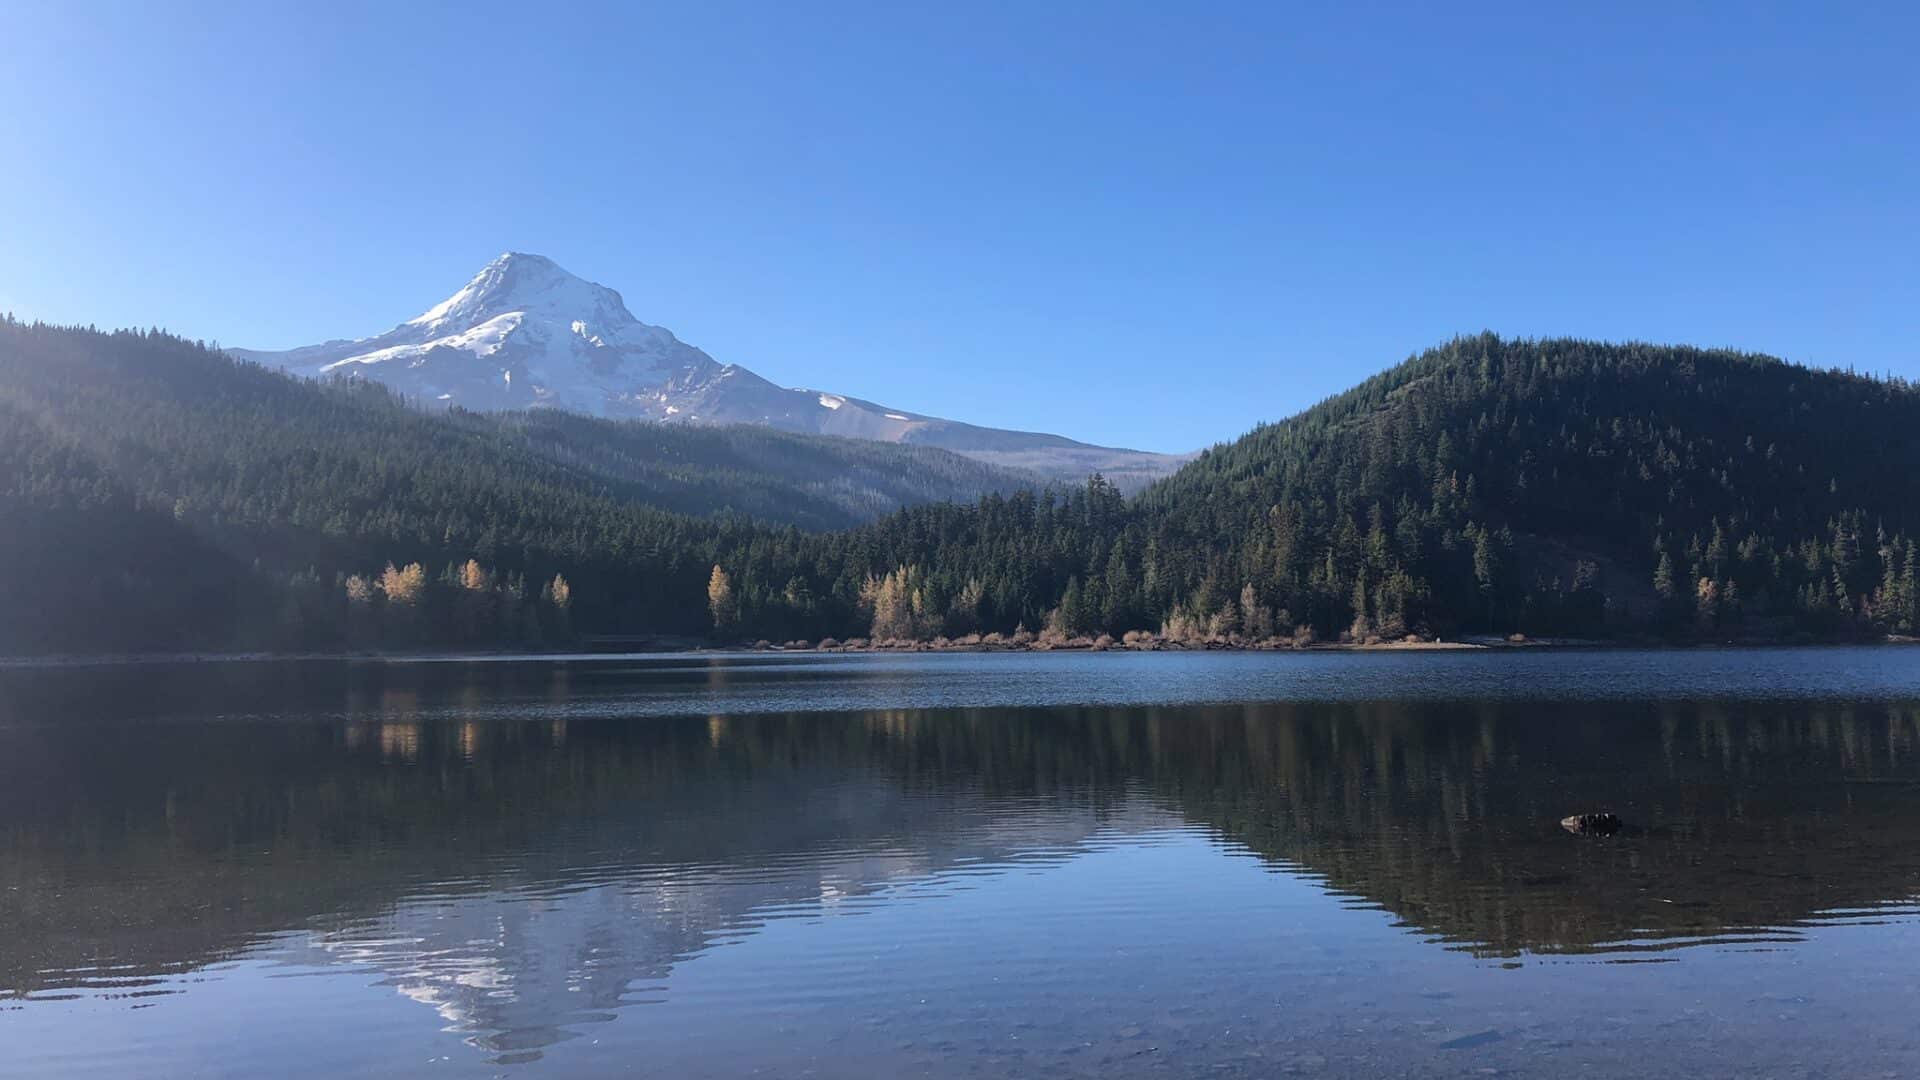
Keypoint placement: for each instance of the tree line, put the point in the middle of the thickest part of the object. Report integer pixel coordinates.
(1492, 486)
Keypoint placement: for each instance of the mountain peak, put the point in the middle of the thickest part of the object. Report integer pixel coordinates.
(524, 282)
(524, 333)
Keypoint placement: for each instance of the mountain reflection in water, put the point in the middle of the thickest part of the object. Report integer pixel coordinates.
(528, 869)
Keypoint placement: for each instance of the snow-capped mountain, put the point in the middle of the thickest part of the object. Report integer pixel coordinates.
(525, 333)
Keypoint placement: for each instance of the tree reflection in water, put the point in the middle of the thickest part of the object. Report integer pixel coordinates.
(388, 827)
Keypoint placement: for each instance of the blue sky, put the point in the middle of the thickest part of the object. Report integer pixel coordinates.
(1141, 224)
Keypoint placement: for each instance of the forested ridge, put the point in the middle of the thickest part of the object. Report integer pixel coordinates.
(161, 495)
(156, 492)
(1569, 487)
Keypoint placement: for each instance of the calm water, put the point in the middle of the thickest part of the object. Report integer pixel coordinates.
(1008, 865)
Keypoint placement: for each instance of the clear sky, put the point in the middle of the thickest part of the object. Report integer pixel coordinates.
(1140, 224)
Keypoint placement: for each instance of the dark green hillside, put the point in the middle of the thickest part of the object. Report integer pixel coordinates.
(1569, 486)
(85, 566)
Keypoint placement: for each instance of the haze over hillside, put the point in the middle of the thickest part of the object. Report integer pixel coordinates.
(524, 333)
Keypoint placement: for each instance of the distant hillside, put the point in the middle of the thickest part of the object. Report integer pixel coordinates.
(154, 409)
(812, 481)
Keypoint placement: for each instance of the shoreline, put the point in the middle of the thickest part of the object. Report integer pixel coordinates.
(1472, 643)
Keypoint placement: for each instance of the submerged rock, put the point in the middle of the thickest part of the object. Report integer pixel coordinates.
(1602, 824)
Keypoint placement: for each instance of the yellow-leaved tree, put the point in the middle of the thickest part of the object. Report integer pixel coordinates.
(474, 577)
(720, 599)
(403, 585)
(558, 593)
(901, 604)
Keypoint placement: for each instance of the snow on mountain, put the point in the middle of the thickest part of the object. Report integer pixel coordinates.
(524, 333)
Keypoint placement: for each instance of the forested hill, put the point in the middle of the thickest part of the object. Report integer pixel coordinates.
(157, 495)
(188, 404)
(139, 473)
(1488, 486)
(1567, 486)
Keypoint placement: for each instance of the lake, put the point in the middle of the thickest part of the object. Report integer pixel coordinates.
(965, 865)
